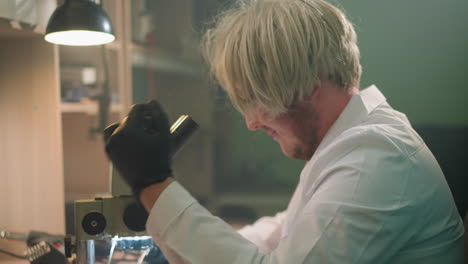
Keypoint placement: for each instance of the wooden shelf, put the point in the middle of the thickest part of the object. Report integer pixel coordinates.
(11, 28)
(87, 107)
(32, 192)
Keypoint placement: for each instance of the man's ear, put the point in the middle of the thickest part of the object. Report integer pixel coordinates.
(315, 94)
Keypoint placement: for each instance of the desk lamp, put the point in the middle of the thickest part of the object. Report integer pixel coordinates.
(79, 23)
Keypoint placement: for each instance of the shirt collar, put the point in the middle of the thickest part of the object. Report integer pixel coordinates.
(357, 109)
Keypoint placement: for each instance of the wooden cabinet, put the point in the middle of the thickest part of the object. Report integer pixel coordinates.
(49, 153)
(31, 160)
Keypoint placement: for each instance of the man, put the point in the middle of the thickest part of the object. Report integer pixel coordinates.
(370, 192)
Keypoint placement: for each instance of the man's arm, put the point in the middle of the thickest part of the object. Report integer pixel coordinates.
(265, 232)
(150, 194)
(326, 232)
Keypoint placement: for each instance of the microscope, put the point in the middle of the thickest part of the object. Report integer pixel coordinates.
(112, 228)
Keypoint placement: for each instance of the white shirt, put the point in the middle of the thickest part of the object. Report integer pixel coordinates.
(372, 193)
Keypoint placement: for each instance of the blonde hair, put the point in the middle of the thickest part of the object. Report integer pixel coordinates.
(271, 53)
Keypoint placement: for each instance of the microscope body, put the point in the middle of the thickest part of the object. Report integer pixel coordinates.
(118, 219)
(109, 216)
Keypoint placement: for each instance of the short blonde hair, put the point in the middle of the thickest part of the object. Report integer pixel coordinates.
(271, 53)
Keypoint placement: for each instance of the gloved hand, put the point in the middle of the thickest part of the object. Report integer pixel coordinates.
(139, 146)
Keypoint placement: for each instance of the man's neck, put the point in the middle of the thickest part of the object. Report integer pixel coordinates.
(331, 103)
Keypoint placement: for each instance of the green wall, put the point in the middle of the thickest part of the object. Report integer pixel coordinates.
(416, 52)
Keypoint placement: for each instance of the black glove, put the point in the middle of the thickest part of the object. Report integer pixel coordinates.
(139, 146)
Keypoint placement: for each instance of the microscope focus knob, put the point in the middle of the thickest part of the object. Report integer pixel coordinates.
(135, 217)
(94, 223)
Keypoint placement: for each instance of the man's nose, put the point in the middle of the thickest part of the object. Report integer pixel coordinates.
(251, 123)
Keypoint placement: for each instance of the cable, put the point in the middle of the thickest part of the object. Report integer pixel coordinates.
(150, 38)
(10, 235)
(105, 97)
(105, 100)
(12, 254)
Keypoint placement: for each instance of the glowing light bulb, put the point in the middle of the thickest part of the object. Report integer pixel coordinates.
(79, 38)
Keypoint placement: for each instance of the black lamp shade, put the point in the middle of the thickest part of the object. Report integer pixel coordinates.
(82, 17)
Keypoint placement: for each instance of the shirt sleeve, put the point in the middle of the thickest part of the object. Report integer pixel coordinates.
(328, 231)
(189, 230)
(265, 233)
